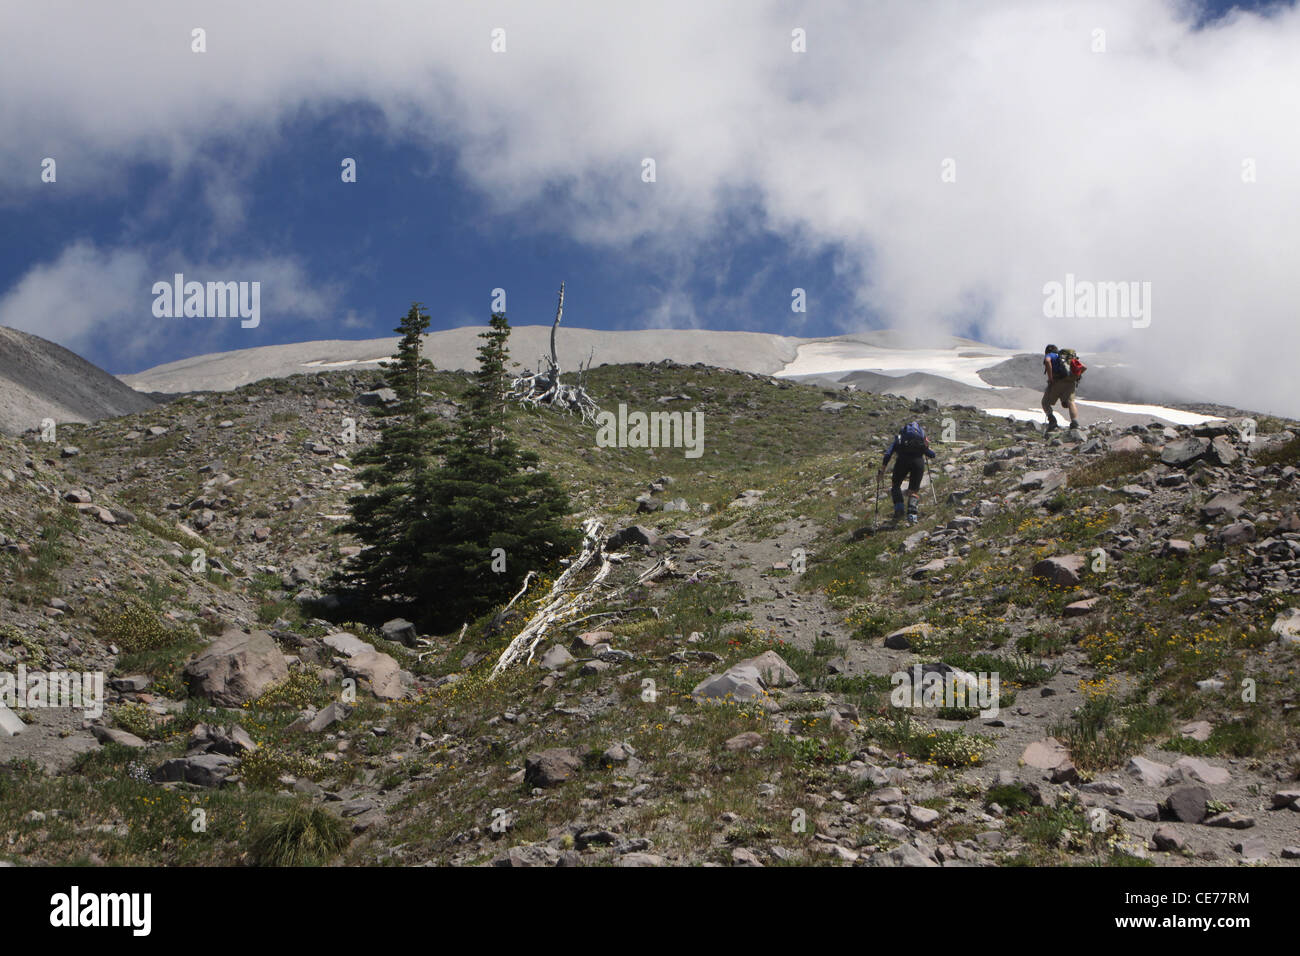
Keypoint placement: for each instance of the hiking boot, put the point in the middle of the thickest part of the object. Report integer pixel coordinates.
(913, 518)
(1051, 425)
(1074, 425)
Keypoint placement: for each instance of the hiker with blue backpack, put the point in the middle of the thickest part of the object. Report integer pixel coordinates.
(1063, 370)
(912, 448)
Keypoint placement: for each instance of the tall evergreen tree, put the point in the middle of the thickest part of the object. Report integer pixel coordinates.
(394, 470)
(489, 494)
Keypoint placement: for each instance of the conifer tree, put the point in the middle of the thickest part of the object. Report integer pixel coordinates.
(488, 494)
(394, 470)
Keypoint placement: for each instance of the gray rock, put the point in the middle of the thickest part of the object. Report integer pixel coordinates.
(380, 396)
(1283, 799)
(205, 770)
(1188, 804)
(1048, 480)
(1287, 626)
(399, 631)
(1168, 839)
(550, 768)
(1224, 503)
(1239, 532)
(347, 644)
(555, 658)
(10, 725)
(115, 735)
(1063, 571)
(236, 668)
(380, 671)
(1180, 454)
(1192, 770)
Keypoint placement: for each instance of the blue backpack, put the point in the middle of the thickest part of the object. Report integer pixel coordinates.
(1059, 368)
(911, 439)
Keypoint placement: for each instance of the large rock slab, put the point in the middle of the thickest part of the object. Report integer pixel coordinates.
(236, 668)
(1188, 804)
(901, 640)
(205, 770)
(10, 724)
(550, 768)
(1048, 480)
(349, 645)
(399, 631)
(1046, 754)
(1193, 770)
(1150, 772)
(1126, 443)
(771, 669)
(1063, 571)
(1180, 454)
(1287, 626)
(380, 671)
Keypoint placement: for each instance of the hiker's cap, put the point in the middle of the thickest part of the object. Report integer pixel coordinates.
(1050, 348)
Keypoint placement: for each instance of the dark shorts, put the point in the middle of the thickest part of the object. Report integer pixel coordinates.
(911, 468)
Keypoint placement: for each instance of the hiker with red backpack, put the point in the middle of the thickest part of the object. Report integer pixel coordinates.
(1063, 370)
(912, 448)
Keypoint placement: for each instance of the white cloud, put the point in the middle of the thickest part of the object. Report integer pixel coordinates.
(104, 295)
(1117, 165)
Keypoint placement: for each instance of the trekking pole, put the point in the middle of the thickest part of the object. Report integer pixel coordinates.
(876, 512)
(933, 494)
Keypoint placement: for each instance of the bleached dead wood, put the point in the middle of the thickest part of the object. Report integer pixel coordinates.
(500, 615)
(567, 599)
(545, 387)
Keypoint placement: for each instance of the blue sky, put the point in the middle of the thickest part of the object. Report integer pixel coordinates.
(517, 170)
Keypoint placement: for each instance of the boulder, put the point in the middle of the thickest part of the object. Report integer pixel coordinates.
(555, 658)
(769, 668)
(901, 640)
(589, 639)
(1048, 480)
(205, 770)
(1223, 451)
(1239, 532)
(1224, 503)
(236, 668)
(1046, 754)
(1148, 771)
(10, 725)
(550, 768)
(1079, 608)
(1126, 443)
(1287, 626)
(115, 735)
(1192, 770)
(1188, 803)
(1062, 571)
(1180, 454)
(380, 396)
(399, 631)
(378, 670)
(349, 645)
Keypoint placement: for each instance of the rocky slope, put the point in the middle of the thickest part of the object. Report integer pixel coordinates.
(40, 380)
(1132, 589)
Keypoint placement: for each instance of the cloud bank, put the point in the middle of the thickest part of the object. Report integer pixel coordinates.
(956, 155)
